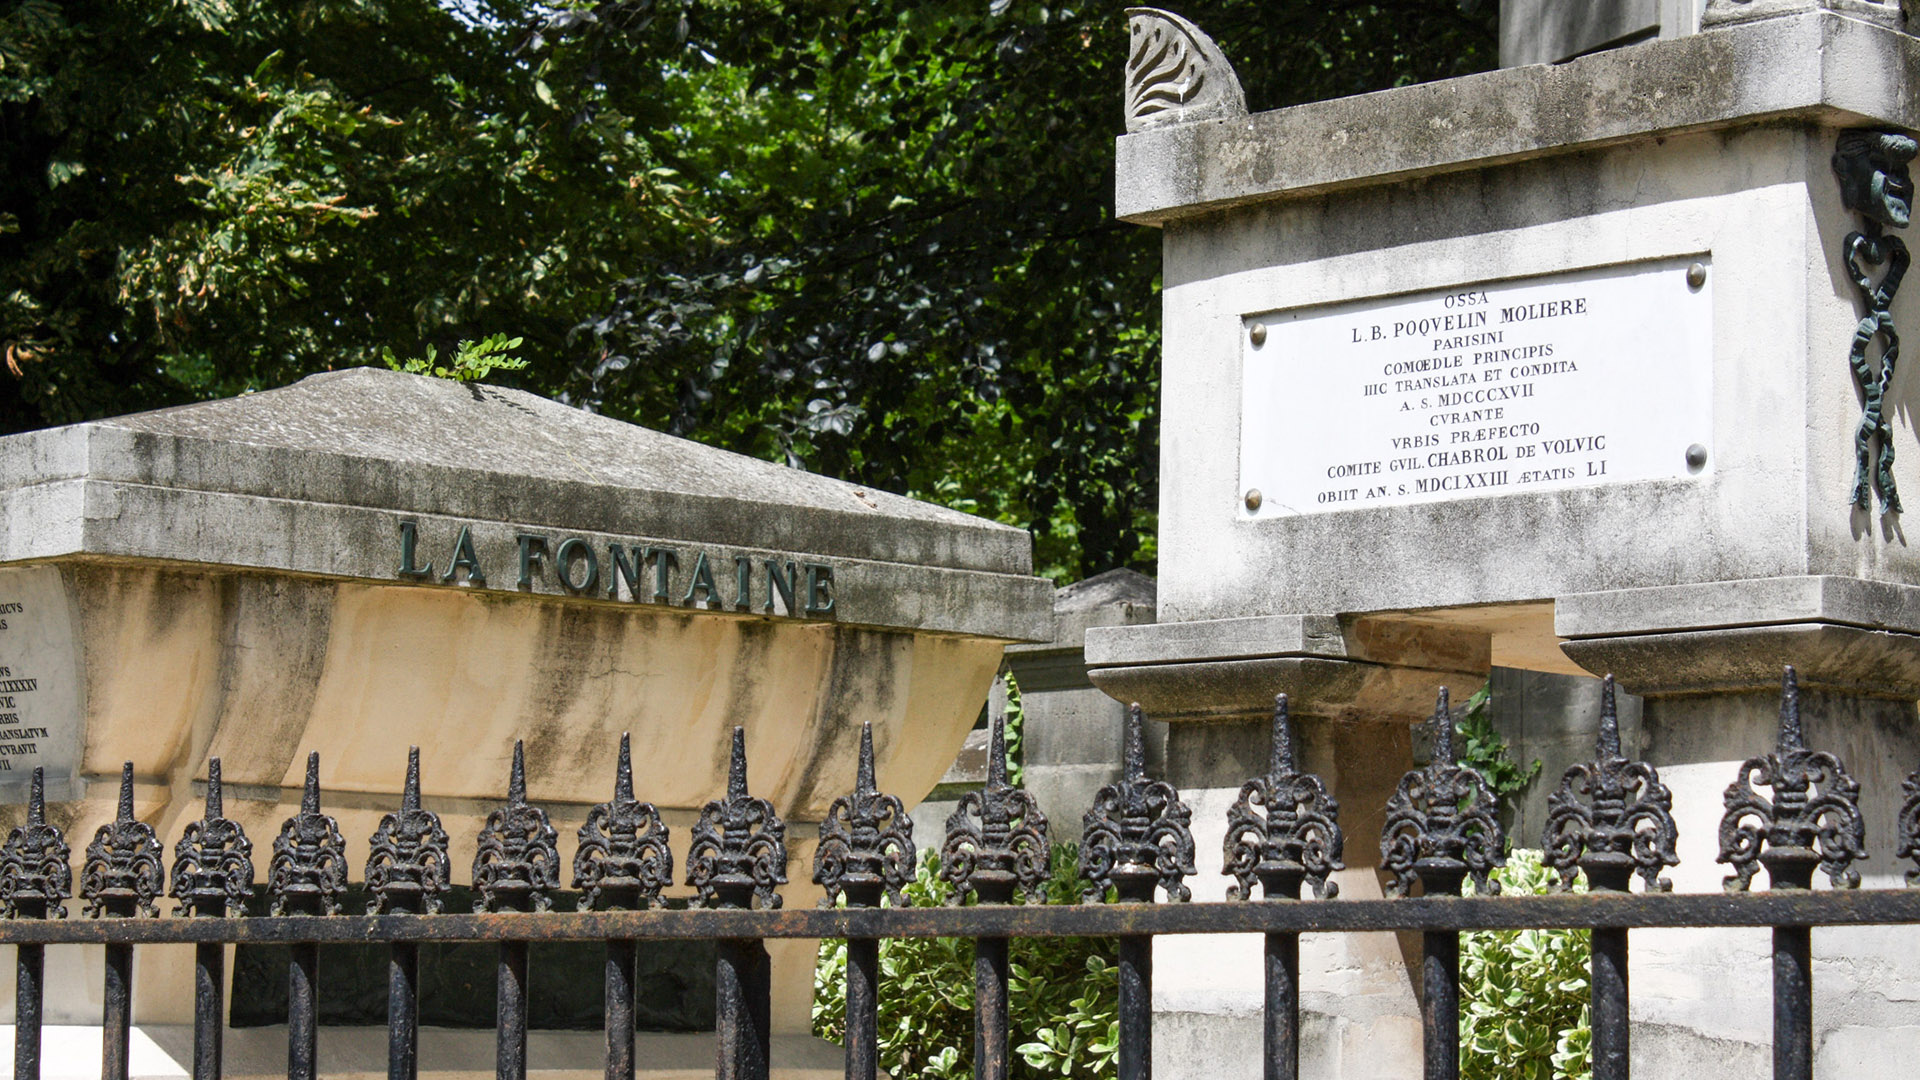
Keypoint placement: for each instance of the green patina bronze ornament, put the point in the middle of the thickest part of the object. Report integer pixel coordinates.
(1875, 183)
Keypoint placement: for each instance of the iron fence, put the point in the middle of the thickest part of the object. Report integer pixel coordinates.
(1609, 821)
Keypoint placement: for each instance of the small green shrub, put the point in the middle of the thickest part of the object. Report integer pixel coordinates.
(471, 361)
(1063, 994)
(1524, 999)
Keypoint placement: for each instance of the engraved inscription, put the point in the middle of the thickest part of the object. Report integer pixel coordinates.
(1568, 380)
(39, 685)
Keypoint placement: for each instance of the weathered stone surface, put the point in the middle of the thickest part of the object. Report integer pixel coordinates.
(1886, 13)
(1817, 67)
(1843, 601)
(1547, 31)
(315, 478)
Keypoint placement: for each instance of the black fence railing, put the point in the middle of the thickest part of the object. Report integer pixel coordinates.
(1609, 821)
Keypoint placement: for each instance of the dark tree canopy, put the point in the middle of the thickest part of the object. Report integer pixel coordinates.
(872, 239)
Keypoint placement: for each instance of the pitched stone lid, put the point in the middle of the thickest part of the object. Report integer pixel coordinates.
(338, 460)
(375, 438)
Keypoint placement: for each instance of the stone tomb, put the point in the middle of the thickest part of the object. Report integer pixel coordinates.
(368, 560)
(1551, 368)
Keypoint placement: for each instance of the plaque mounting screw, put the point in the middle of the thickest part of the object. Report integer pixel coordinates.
(1253, 498)
(1696, 275)
(1696, 457)
(1257, 333)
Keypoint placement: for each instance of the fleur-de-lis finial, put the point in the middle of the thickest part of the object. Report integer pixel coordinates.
(308, 871)
(35, 877)
(1136, 836)
(866, 841)
(996, 840)
(407, 866)
(623, 860)
(1812, 821)
(213, 861)
(1284, 830)
(122, 875)
(1442, 825)
(739, 849)
(1611, 817)
(517, 865)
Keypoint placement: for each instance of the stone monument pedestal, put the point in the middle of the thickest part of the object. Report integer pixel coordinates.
(1454, 373)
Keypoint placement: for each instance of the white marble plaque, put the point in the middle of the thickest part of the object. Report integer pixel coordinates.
(1569, 380)
(40, 722)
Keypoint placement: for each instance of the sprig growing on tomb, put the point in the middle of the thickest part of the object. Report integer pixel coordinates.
(472, 361)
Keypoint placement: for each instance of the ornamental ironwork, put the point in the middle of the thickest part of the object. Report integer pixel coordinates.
(517, 865)
(866, 841)
(1876, 184)
(35, 875)
(1443, 824)
(739, 848)
(1136, 836)
(996, 842)
(1907, 829)
(1611, 817)
(1812, 822)
(122, 873)
(308, 870)
(623, 859)
(213, 859)
(1284, 830)
(407, 869)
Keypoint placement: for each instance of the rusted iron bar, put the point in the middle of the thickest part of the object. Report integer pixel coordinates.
(1282, 1041)
(990, 1043)
(1440, 1004)
(303, 1028)
(742, 991)
(29, 967)
(863, 1008)
(619, 1004)
(403, 1011)
(510, 1021)
(1608, 987)
(1576, 911)
(1136, 1007)
(1792, 1003)
(117, 1013)
(209, 992)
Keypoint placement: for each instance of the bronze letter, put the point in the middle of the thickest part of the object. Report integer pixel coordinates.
(622, 568)
(702, 580)
(463, 556)
(784, 586)
(664, 560)
(819, 588)
(409, 539)
(528, 556)
(564, 559)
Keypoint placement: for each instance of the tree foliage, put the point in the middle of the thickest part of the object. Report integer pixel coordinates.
(872, 239)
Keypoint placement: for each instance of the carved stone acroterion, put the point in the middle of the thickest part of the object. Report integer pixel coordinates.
(1175, 73)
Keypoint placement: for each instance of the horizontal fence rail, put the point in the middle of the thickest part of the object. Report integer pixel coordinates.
(1609, 822)
(1573, 911)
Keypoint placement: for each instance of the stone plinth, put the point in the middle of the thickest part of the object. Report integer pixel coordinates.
(367, 560)
(1456, 373)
